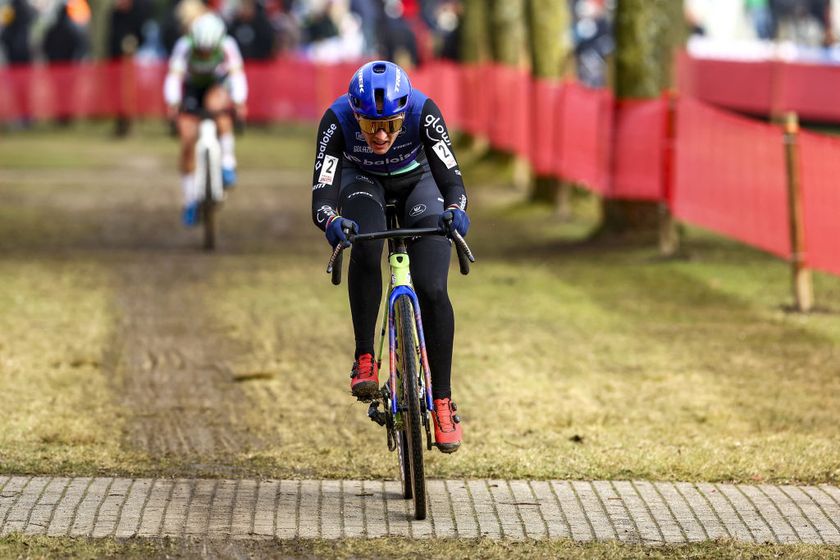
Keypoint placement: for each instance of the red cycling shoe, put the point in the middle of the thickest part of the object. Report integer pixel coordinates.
(364, 379)
(448, 431)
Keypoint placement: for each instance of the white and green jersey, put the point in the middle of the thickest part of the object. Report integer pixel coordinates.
(225, 65)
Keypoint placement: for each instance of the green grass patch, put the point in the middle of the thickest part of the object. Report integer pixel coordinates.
(574, 359)
(91, 145)
(35, 548)
(58, 412)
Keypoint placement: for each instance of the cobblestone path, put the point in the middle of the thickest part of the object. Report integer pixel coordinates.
(628, 511)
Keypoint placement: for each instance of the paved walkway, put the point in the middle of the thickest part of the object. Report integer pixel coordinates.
(635, 511)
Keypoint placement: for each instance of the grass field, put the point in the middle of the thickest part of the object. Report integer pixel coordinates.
(36, 548)
(127, 351)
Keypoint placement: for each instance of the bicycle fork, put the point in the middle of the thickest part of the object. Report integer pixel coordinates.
(401, 285)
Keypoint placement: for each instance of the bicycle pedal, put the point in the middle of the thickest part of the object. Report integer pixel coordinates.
(375, 414)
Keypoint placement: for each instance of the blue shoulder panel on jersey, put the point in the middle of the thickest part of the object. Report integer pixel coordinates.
(405, 149)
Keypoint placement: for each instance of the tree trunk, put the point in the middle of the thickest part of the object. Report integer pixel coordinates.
(507, 31)
(508, 47)
(475, 41)
(647, 33)
(549, 35)
(100, 27)
(475, 49)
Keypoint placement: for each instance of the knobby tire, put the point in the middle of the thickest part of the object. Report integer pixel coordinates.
(411, 436)
(405, 464)
(208, 206)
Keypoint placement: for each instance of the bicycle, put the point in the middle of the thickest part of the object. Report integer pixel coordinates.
(407, 395)
(208, 175)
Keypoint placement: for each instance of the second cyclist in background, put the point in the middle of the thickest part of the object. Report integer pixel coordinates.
(205, 76)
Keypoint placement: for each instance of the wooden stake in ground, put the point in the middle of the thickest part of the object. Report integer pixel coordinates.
(669, 235)
(802, 286)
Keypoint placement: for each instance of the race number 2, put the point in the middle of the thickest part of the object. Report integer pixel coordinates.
(445, 154)
(328, 171)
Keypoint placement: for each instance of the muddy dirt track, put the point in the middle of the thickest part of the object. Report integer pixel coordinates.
(129, 351)
(172, 362)
(169, 361)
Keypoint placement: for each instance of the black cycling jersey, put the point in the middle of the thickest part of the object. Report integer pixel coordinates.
(423, 144)
(420, 172)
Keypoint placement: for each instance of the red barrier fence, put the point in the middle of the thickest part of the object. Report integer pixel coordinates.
(820, 172)
(545, 123)
(743, 86)
(279, 90)
(763, 87)
(639, 166)
(442, 82)
(585, 139)
(730, 177)
(717, 170)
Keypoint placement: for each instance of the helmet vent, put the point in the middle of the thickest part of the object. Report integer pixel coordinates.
(379, 97)
(379, 68)
(402, 101)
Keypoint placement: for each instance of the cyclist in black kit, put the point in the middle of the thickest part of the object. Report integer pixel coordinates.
(385, 139)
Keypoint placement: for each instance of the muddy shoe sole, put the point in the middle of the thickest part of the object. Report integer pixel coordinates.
(366, 390)
(448, 447)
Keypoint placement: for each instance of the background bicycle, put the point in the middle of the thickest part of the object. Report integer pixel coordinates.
(208, 177)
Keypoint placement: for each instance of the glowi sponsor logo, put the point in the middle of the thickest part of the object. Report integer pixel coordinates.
(434, 123)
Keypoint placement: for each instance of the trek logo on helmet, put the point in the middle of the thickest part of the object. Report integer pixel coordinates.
(361, 82)
(397, 81)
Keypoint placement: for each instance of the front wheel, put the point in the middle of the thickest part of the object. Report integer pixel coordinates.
(408, 399)
(405, 464)
(208, 207)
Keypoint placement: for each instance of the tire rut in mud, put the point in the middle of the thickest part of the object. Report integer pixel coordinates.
(169, 361)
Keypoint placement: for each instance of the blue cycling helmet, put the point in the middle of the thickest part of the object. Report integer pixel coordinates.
(379, 89)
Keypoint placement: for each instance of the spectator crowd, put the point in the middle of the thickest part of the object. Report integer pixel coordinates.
(320, 30)
(405, 31)
(807, 23)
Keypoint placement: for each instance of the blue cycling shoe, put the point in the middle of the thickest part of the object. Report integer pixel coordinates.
(228, 177)
(189, 216)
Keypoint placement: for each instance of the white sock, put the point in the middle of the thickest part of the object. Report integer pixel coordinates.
(228, 157)
(189, 188)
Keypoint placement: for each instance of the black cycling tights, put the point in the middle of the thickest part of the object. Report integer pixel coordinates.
(429, 271)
